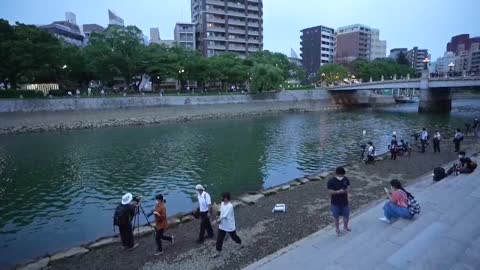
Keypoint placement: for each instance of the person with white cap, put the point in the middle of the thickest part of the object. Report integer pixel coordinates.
(205, 207)
(122, 218)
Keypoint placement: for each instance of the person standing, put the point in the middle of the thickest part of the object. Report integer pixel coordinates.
(476, 127)
(226, 222)
(338, 188)
(370, 152)
(123, 217)
(436, 142)
(423, 139)
(161, 223)
(205, 207)
(457, 139)
(393, 148)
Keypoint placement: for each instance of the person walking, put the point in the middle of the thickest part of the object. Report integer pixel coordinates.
(457, 139)
(393, 148)
(397, 204)
(161, 223)
(476, 127)
(226, 222)
(423, 139)
(436, 142)
(338, 188)
(205, 208)
(123, 217)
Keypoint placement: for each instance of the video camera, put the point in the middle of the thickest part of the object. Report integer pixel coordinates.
(137, 198)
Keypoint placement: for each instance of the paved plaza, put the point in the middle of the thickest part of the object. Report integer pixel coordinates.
(446, 235)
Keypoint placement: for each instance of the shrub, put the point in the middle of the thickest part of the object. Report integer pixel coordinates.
(18, 93)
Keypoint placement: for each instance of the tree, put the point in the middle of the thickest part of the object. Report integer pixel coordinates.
(382, 66)
(402, 59)
(228, 68)
(265, 77)
(331, 73)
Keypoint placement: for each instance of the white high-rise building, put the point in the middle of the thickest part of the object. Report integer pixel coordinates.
(378, 48)
(154, 35)
(71, 17)
(114, 19)
(185, 35)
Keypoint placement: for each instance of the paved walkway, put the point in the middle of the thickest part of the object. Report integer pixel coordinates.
(446, 235)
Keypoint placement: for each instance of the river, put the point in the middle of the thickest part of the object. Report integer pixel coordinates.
(59, 189)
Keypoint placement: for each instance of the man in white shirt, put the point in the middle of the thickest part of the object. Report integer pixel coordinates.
(205, 207)
(226, 222)
(423, 138)
(370, 152)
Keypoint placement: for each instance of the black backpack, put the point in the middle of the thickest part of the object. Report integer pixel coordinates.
(439, 174)
(121, 216)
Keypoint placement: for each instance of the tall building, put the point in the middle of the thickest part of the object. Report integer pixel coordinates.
(443, 62)
(154, 35)
(358, 41)
(114, 19)
(461, 42)
(228, 25)
(317, 48)
(71, 17)
(88, 29)
(184, 34)
(66, 31)
(394, 53)
(378, 48)
(415, 57)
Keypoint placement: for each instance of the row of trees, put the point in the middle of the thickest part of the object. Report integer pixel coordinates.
(32, 55)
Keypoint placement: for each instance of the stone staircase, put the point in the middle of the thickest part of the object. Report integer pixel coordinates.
(446, 235)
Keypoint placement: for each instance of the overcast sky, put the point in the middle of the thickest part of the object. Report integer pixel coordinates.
(403, 23)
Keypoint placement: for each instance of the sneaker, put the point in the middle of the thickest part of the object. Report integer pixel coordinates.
(384, 219)
(173, 239)
(158, 253)
(134, 246)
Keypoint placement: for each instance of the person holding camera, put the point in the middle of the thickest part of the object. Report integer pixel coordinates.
(161, 223)
(205, 208)
(123, 217)
(226, 224)
(457, 139)
(466, 164)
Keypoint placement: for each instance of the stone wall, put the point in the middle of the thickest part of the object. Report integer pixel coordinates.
(97, 103)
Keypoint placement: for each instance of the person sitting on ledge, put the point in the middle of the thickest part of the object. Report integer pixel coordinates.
(466, 164)
(397, 204)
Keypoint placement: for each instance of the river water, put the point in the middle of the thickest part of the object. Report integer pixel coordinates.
(59, 189)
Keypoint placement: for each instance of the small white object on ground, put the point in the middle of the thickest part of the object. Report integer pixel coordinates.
(279, 207)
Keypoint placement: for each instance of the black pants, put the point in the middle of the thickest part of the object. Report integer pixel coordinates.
(159, 237)
(436, 147)
(126, 234)
(393, 154)
(221, 237)
(457, 145)
(423, 145)
(205, 225)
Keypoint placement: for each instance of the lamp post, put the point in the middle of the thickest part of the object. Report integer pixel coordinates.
(426, 61)
(450, 68)
(180, 75)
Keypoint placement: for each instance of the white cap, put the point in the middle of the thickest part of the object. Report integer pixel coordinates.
(127, 198)
(199, 187)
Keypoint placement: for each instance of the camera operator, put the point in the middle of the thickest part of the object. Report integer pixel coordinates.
(466, 164)
(370, 152)
(124, 214)
(423, 139)
(161, 223)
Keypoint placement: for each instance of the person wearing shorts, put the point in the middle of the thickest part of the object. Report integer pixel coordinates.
(338, 188)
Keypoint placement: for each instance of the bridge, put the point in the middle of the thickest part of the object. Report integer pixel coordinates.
(435, 93)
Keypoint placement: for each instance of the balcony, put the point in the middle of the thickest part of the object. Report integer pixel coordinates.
(216, 3)
(236, 22)
(253, 8)
(215, 20)
(221, 38)
(236, 31)
(253, 33)
(253, 49)
(233, 47)
(216, 47)
(216, 29)
(254, 24)
(235, 5)
(235, 13)
(237, 39)
(253, 41)
(253, 1)
(216, 11)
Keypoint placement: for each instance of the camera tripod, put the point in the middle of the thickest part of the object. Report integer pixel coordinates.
(136, 219)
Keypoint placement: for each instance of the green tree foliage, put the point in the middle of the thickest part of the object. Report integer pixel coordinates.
(331, 73)
(378, 67)
(265, 77)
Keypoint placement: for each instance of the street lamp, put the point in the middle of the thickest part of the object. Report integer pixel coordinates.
(64, 66)
(425, 62)
(450, 67)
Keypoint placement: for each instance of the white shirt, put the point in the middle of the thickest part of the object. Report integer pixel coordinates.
(424, 135)
(204, 201)
(438, 136)
(371, 151)
(227, 217)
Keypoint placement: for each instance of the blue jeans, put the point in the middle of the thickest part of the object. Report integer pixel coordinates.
(393, 211)
(338, 211)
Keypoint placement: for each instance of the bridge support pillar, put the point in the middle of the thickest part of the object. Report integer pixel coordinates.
(435, 100)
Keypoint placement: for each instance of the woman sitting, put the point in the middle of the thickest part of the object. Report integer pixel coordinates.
(397, 206)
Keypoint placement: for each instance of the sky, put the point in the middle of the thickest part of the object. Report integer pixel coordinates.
(427, 24)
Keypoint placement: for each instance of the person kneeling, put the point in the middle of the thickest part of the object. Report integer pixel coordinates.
(397, 205)
(226, 223)
(466, 164)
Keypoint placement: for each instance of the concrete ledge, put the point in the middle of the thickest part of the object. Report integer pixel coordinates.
(104, 242)
(69, 253)
(251, 199)
(37, 265)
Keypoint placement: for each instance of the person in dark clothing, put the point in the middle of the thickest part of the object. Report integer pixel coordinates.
(393, 148)
(124, 215)
(423, 139)
(476, 127)
(436, 142)
(457, 139)
(339, 187)
(466, 164)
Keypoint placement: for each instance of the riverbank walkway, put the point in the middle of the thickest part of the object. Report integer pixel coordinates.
(446, 235)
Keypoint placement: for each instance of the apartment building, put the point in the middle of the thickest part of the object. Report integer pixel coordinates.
(378, 48)
(317, 48)
(228, 25)
(394, 53)
(416, 57)
(154, 35)
(184, 34)
(358, 41)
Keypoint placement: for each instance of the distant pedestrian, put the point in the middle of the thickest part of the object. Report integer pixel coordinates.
(436, 142)
(89, 91)
(423, 139)
(393, 148)
(339, 187)
(161, 223)
(205, 208)
(457, 139)
(226, 224)
(476, 127)
(371, 152)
